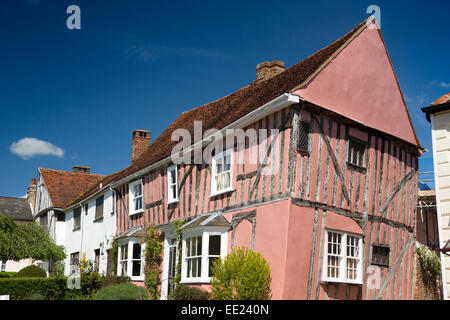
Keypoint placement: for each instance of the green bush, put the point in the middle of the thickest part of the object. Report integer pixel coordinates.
(91, 283)
(122, 291)
(31, 272)
(183, 292)
(113, 279)
(7, 275)
(243, 275)
(22, 288)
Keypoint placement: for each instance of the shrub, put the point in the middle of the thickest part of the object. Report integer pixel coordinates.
(22, 288)
(91, 283)
(7, 275)
(122, 291)
(113, 279)
(31, 272)
(243, 275)
(183, 292)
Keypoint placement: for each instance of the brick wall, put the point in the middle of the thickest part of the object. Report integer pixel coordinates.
(424, 290)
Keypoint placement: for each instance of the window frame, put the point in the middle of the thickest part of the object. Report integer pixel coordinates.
(132, 198)
(97, 206)
(97, 259)
(302, 124)
(380, 264)
(3, 265)
(71, 260)
(170, 198)
(342, 278)
(204, 233)
(129, 243)
(76, 217)
(358, 166)
(214, 192)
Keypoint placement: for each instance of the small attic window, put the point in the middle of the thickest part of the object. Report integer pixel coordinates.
(356, 152)
(303, 137)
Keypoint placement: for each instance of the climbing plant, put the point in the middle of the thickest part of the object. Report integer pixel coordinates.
(153, 259)
(429, 261)
(114, 255)
(178, 224)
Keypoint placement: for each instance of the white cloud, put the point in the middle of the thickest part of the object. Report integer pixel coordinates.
(444, 84)
(30, 147)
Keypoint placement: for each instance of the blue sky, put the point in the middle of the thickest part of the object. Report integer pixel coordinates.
(139, 64)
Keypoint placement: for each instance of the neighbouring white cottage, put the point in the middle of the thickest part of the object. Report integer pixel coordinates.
(438, 114)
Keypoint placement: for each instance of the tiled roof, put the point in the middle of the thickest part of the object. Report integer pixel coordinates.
(445, 98)
(18, 208)
(220, 113)
(64, 186)
(439, 105)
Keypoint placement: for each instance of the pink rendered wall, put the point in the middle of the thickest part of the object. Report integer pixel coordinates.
(272, 223)
(194, 196)
(360, 84)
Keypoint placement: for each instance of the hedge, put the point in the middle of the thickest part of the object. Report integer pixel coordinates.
(7, 275)
(23, 288)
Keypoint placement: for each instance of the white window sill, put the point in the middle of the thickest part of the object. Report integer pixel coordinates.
(221, 192)
(340, 281)
(136, 278)
(136, 212)
(195, 280)
(172, 201)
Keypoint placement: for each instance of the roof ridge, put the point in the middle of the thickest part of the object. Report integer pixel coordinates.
(71, 172)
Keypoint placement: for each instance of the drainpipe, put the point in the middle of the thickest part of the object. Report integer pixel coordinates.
(82, 214)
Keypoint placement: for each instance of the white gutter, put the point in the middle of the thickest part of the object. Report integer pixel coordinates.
(281, 102)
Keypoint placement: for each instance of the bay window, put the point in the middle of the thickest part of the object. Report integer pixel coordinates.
(200, 249)
(342, 258)
(130, 263)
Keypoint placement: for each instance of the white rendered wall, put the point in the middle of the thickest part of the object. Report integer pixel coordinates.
(92, 234)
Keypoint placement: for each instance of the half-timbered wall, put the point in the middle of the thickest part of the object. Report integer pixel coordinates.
(378, 201)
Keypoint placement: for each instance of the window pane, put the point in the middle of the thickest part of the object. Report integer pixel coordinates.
(174, 192)
(136, 268)
(214, 245)
(199, 246)
(218, 167)
(136, 251)
(199, 267)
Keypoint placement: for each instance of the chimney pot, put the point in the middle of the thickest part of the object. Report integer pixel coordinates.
(139, 143)
(269, 69)
(31, 194)
(81, 169)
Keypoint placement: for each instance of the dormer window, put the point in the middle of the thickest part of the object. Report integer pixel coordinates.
(172, 184)
(222, 172)
(136, 197)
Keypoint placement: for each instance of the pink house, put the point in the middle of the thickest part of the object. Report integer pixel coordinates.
(335, 218)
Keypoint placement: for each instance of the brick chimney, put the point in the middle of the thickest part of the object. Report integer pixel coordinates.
(267, 70)
(139, 143)
(81, 169)
(31, 194)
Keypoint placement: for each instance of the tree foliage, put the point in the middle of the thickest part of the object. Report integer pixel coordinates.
(242, 275)
(22, 241)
